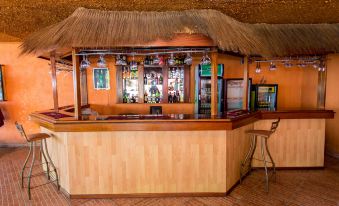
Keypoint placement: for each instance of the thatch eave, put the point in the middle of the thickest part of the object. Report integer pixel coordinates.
(98, 29)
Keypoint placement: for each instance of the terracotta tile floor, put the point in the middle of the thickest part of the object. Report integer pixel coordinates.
(293, 187)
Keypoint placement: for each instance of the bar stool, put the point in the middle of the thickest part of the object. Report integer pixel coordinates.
(32, 139)
(247, 163)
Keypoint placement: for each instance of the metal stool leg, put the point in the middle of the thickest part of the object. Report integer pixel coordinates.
(265, 164)
(273, 164)
(24, 166)
(45, 159)
(50, 161)
(248, 157)
(30, 171)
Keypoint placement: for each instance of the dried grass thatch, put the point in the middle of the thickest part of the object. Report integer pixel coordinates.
(93, 28)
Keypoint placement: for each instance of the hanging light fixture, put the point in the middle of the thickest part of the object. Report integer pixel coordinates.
(272, 67)
(206, 60)
(258, 68)
(101, 61)
(171, 60)
(188, 59)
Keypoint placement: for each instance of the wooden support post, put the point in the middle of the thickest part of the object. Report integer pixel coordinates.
(84, 89)
(214, 83)
(245, 85)
(54, 81)
(321, 96)
(76, 85)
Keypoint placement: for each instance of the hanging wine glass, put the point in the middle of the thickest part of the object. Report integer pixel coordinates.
(258, 68)
(272, 66)
(188, 59)
(101, 61)
(171, 60)
(156, 59)
(288, 64)
(85, 63)
(206, 60)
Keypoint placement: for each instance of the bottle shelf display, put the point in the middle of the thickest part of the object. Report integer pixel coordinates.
(130, 84)
(153, 81)
(176, 84)
(153, 85)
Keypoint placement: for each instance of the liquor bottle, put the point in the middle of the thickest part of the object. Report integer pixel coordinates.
(156, 80)
(151, 60)
(177, 96)
(133, 100)
(153, 97)
(146, 60)
(145, 97)
(174, 99)
(124, 73)
(128, 73)
(170, 98)
(145, 79)
(160, 79)
(157, 97)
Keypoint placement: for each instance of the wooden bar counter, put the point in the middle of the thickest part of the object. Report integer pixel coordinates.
(171, 155)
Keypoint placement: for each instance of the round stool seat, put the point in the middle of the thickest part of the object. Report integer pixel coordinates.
(37, 137)
(262, 133)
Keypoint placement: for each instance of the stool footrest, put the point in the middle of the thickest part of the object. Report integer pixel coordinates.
(39, 174)
(262, 160)
(38, 164)
(50, 181)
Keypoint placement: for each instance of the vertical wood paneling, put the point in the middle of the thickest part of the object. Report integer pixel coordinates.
(58, 150)
(147, 162)
(214, 83)
(296, 143)
(237, 145)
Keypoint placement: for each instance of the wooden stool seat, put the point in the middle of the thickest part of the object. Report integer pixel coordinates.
(246, 165)
(262, 133)
(37, 137)
(32, 140)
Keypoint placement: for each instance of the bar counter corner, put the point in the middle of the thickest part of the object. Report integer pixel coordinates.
(172, 155)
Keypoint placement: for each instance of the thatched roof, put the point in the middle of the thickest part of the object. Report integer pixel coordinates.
(94, 28)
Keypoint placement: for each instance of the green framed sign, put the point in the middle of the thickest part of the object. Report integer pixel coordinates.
(206, 70)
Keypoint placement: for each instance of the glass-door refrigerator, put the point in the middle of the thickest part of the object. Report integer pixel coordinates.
(204, 89)
(233, 94)
(265, 96)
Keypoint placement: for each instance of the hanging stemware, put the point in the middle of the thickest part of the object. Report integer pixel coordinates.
(101, 61)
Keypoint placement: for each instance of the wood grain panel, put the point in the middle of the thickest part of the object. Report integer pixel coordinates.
(58, 150)
(296, 143)
(147, 162)
(332, 102)
(237, 145)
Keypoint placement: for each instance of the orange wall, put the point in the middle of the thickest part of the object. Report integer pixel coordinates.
(332, 102)
(28, 88)
(297, 86)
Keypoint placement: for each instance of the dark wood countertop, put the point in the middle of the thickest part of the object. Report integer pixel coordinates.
(64, 121)
(297, 114)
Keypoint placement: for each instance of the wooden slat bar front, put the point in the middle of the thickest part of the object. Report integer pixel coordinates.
(180, 155)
